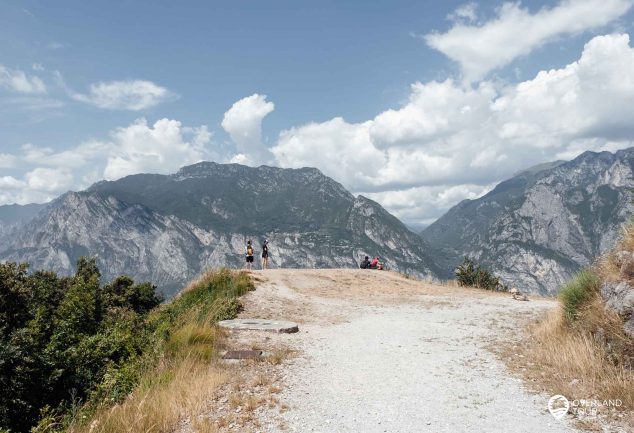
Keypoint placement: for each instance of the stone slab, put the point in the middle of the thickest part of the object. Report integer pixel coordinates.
(280, 326)
(242, 354)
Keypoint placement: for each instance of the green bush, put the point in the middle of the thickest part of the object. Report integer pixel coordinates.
(59, 336)
(578, 292)
(70, 340)
(469, 274)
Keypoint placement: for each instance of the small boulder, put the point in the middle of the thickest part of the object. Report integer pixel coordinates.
(514, 291)
(619, 296)
(627, 268)
(622, 257)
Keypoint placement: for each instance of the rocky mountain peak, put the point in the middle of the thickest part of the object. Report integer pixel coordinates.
(168, 228)
(538, 228)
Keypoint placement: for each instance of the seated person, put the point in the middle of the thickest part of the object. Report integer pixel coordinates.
(365, 264)
(374, 264)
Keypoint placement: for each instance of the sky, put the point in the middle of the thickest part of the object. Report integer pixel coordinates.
(415, 104)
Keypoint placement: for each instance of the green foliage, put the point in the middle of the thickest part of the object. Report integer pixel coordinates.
(60, 336)
(469, 274)
(183, 327)
(578, 292)
(212, 298)
(68, 341)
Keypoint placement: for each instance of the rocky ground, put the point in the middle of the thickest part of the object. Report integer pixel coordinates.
(378, 352)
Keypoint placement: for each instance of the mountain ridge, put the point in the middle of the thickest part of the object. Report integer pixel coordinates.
(169, 228)
(538, 228)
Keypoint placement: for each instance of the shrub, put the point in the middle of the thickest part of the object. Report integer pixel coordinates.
(66, 341)
(578, 292)
(469, 274)
(173, 375)
(60, 336)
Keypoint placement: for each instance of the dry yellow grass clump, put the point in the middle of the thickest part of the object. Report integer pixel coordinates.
(178, 391)
(576, 363)
(580, 350)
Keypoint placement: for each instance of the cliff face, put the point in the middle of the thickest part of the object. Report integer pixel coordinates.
(538, 228)
(167, 229)
(14, 216)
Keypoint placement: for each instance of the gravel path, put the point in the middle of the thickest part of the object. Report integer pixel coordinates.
(398, 356)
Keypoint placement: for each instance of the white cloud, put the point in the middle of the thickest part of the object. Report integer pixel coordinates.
(515, 31)
(17, 81)
(7, 160)
(131, 95)
(420, 205)
(158, 148)
(342, 150)
(162, 147)
(51, 180)
(32, 104)
(468, 12)
(243, 123)
(11, 182)
(450, 142)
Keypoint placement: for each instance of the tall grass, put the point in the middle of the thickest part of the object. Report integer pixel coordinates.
(178, 374)
(581, 350)
(578, 292)
(572, 361)
(175, 391)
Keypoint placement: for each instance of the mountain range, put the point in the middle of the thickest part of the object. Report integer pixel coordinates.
(168, 228)
(534, 230)
(540, 227)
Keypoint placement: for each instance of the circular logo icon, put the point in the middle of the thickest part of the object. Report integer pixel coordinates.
(558, 406)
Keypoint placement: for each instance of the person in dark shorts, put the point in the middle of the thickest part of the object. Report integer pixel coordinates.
(265, 254)
(365, 264)
(249, 255)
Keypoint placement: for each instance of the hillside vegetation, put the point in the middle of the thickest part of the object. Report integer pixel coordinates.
(583, 350)
(81, 356)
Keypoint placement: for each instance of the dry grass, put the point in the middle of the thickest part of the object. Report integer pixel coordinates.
(183, 382)
(561, 359)
(279, 355)
(260, 380)
(580, 350)
(204, 425)
(193, 339)
(180, 390)
(609, 267)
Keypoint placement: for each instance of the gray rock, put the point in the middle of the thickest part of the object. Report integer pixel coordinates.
(623, 256)
(279, 326)
(627, 268)
(619, 296)
(540, 227)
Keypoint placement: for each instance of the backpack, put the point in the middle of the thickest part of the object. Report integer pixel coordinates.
(249, 250)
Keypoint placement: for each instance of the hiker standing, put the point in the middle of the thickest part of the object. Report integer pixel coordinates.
(249, 255)
(265, 254)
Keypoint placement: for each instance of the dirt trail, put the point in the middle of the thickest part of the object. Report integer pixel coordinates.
(377, 352)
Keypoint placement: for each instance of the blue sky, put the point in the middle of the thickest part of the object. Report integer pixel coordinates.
(190, 62)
